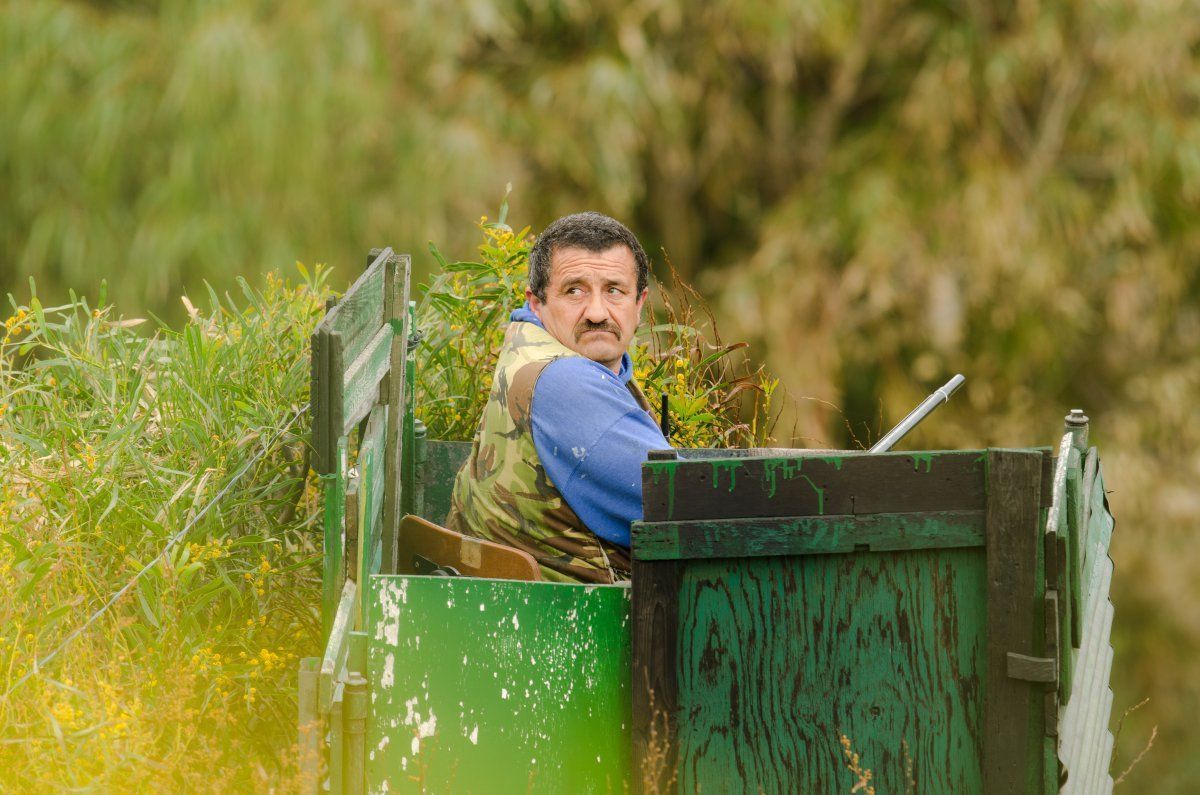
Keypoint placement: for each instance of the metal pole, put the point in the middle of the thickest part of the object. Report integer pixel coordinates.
(915, 416)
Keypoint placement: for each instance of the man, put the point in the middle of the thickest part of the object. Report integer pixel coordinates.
(555, 468)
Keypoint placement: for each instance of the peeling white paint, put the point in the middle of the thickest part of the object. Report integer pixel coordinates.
(388, 678)
(504, 692)
(516, 624)
(474, 736)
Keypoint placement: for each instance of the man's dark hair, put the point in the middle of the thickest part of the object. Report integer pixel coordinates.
(590, 231)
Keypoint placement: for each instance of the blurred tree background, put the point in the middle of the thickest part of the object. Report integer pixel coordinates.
(876, 194)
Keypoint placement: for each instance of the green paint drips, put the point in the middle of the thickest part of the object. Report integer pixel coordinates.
(820, 495)
(731, 466)
(922, 458)
(772, 467)
(835, 460)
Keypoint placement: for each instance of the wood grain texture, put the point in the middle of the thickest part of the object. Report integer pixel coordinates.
(813, 485)
(1085, 741)
(655, 651)
(392, 395)
(359, 313)
(316, 393)
(1012, 752)
(806, 535)
(780, 656)
(360, 383)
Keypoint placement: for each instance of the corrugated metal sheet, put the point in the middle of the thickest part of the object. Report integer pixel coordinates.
(1085, 743)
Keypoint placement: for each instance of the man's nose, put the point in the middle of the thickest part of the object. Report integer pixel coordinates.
(596, 311)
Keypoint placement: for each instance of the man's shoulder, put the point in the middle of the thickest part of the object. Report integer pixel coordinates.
(576, 378)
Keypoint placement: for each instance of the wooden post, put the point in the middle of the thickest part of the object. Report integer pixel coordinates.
(355, 759)
(399, 270)
(1013, 598)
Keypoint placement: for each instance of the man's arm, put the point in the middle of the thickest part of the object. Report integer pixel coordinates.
(592, 438)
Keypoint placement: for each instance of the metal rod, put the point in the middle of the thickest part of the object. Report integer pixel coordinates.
(915, 416)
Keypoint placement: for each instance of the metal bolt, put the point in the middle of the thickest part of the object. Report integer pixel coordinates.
(1077, 418)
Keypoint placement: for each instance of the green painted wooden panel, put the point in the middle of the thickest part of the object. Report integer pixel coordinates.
(779, 657)
(805, 535)
(371, 470)
(334, 487)
(442, 462)
(486, 686)
(337, 649)
(1085, 742)
(360, 383)
(359, 313)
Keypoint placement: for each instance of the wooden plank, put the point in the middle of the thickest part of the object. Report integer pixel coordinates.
(807, 535)
(656, 640)
(482, 686)
(408, 459)
(333, 662)
(337, 755)
(359, 313)
(442, 462)
(316, 393)
(360, 384)
(353, 530)
(392, 395)
(334, 517)
(1050, 649)
(1058, 534)
(372, 472)
(813, 485)
(336, 426)
(779, 657)
(1075, 543)
(1013, 482)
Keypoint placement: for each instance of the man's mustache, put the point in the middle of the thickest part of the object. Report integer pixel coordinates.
(587, 325)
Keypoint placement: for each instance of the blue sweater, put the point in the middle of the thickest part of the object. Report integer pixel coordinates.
(592, 438)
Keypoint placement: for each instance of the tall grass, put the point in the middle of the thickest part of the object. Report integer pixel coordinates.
(114, 436)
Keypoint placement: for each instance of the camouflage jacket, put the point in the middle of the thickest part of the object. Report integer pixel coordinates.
(502, 492)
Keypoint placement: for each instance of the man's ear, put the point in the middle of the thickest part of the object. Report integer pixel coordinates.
(534, 303)
(641, 302)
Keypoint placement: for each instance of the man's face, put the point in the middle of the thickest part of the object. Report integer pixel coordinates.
(592, 303)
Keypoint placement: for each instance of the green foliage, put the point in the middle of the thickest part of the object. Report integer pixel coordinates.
(464, 312)
(111, 442)
(875, 194)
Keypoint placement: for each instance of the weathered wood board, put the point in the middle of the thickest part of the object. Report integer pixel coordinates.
(781, 604)
(1085, 742)
(492, 686)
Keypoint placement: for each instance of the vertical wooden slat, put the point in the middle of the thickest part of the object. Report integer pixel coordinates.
(334, 397)
(337, 757)
(315, 401)
(655, 651)
(1013, 493)
(351, 567)
(334, 485)
(397, 316)
(409, 458)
